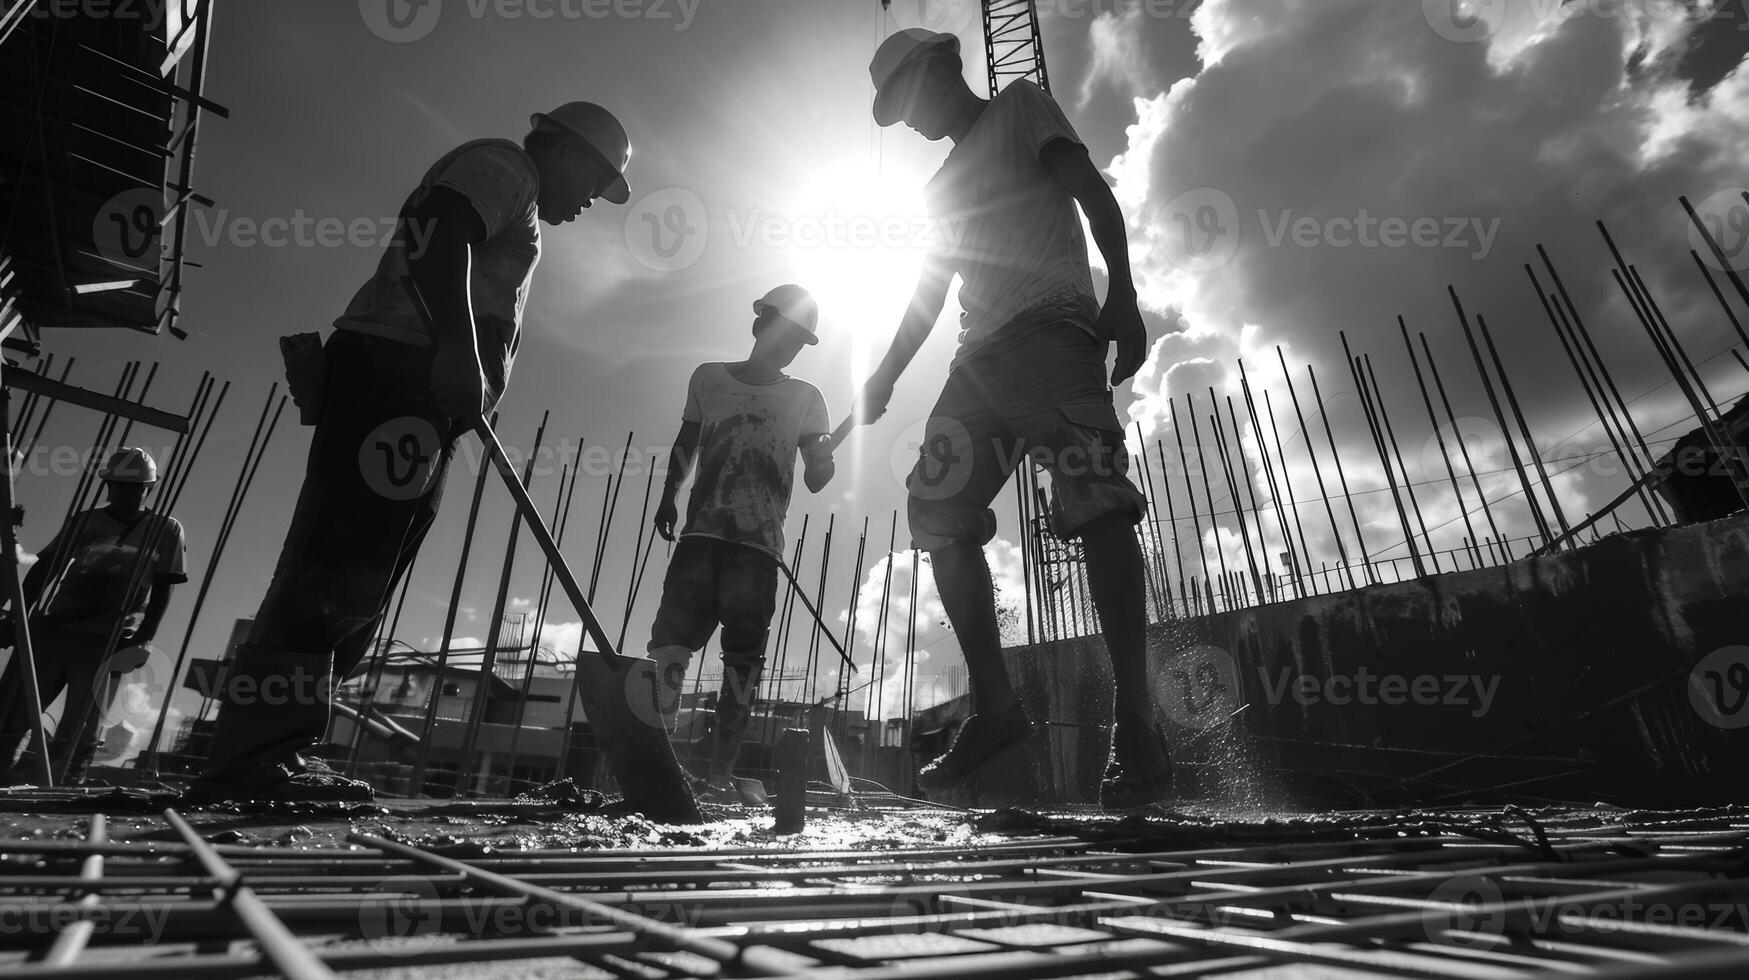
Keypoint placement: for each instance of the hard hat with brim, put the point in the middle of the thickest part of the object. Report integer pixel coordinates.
(897, 53)
(795, 306)
(601, 131)
(129, 466)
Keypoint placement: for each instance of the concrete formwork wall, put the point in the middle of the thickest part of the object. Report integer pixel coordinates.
(1601, 674)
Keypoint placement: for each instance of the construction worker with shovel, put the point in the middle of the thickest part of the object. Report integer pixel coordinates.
(423, 351)
(113, 568)
(740, 431)
(1028, 379)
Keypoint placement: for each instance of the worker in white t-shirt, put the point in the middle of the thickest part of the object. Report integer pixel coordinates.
(1028, 380)
(741, 430)
(422, 351)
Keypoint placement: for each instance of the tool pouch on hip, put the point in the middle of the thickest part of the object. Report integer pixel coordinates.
(306, 367)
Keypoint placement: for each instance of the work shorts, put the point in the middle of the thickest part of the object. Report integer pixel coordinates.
(1046, 399)
(711, 582)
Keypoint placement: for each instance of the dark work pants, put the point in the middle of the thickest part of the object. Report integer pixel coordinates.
(371, 490)
(65, 661)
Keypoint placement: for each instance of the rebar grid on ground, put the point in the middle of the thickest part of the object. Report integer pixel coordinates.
(1452, 895)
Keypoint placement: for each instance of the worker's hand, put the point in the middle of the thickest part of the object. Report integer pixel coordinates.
(666, 515)
(872, 403)
(1120, 321)
(457, 384)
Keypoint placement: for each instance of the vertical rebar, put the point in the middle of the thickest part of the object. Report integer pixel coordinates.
(1317, 471)
(1530, 501)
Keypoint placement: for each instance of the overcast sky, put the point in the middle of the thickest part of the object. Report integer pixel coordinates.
(1289, 169)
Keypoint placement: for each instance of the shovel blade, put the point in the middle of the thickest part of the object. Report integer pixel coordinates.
(620, 695)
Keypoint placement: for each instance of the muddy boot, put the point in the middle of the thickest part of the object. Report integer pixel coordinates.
(274, 706)
(299, 781)
(1140, 773)
(980, 739)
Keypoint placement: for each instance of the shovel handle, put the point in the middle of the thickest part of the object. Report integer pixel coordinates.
(537, 527)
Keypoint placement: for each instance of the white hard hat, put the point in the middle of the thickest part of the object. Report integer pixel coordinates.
(795, 305)
(131, 465)
(899, 50)
(604, 134)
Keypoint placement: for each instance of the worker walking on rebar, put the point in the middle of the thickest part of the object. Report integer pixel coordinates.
(112, 570)
(741, 429)
(1028, 380)
(423, 351)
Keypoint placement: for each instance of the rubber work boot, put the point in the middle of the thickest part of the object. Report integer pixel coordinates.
(978, 741)
(302, 781)
(1140, 773)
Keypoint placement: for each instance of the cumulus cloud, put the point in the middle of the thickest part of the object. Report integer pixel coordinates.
(1337, 163)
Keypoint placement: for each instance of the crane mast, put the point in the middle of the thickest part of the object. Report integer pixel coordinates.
(1012, 46)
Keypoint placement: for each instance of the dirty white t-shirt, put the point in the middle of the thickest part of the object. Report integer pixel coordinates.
(502, 184)
(748, 438)
(1007, 229)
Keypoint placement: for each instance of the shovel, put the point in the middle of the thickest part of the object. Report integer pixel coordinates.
(619, 693)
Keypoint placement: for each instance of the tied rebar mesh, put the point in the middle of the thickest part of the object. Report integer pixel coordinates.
(1465, 894)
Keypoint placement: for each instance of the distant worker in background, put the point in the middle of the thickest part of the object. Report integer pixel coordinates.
(740, 431)
(424, 349)
(114, 567)
(1029, 375)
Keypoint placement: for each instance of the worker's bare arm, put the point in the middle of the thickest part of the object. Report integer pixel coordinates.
(1120, 319)
(155, 608)
(817, 465)
(680, 460)
(441, 234)
(920, 316)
